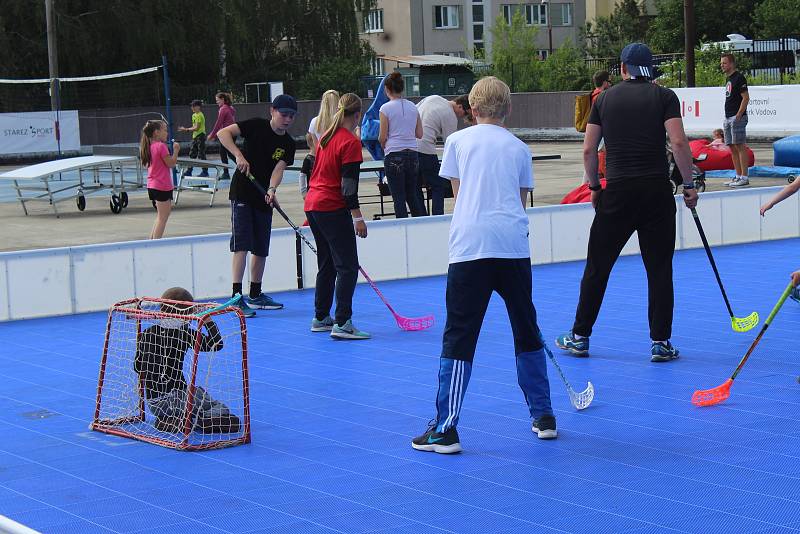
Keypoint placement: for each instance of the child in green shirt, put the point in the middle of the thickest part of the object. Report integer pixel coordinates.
(198, 129)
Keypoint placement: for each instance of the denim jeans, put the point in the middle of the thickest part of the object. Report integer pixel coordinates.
(402, 169)
(429, 174)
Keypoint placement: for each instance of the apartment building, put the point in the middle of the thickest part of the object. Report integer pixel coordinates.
(456, 27)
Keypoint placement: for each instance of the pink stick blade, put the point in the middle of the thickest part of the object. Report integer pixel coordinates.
(413, 324)
(409, 324)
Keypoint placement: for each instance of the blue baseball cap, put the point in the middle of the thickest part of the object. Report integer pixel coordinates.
(638, 59)
(285, 104)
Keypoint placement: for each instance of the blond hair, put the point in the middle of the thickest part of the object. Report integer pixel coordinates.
(491, 98)
(327, 109)
(349, 104)
(150, 127)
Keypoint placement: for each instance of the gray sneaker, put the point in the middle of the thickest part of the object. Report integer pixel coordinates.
(348, 331)
(733, 181)
(741, 182)
(263, 302)
(325, 325)
(247, 311)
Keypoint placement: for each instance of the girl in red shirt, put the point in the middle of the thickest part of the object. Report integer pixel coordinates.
(155, 156)
(332, 209)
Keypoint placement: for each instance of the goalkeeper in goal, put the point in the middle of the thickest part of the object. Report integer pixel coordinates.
(160, 353)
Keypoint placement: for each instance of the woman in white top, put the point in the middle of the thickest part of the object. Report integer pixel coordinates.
(328, 107)
(400, 129)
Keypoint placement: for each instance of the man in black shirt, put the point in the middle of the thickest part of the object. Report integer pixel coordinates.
(268, 149)
(632, 117)
(734, 126)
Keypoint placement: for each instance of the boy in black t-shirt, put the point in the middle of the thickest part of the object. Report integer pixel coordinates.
(268, 150)
(160, 352)
(633, 117)
(734, 126)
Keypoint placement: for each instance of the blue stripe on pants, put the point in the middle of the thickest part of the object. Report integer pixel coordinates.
(532, 378)
(453, 380)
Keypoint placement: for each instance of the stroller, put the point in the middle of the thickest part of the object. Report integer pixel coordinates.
(698, 175)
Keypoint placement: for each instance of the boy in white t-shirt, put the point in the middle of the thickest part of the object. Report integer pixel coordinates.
(491, 173)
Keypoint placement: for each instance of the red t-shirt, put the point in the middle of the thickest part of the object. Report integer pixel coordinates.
(325, 184)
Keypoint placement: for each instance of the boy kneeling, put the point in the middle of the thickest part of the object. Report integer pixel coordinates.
(160, 353)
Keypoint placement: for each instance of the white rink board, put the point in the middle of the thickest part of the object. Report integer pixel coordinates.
(92, 278)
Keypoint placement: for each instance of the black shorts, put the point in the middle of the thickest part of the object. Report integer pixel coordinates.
(250, 228)
(158, 195)
(470, 285)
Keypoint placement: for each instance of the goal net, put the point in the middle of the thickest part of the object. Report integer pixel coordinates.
(174, 374)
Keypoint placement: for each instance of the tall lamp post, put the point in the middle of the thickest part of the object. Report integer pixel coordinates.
(546, 4)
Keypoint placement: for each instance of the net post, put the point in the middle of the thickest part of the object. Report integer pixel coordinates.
(169, 114)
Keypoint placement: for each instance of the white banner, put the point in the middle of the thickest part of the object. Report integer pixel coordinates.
(25, 133)
(773, 110)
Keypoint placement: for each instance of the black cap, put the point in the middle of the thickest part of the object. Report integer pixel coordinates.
(285, 104)
(638, 59)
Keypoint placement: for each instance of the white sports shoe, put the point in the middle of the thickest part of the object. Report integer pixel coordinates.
(730, 184)
(741, 182)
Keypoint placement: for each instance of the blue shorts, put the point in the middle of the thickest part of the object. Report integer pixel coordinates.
(250, 229)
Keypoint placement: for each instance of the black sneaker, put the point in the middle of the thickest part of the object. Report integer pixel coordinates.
(545, 427)
(433, 441)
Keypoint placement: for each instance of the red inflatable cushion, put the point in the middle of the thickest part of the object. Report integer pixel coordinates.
(718, 156)
(581, 194)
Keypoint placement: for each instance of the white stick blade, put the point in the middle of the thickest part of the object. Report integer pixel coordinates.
(582, 400)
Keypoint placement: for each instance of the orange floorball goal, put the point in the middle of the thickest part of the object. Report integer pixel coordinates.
(174, 374)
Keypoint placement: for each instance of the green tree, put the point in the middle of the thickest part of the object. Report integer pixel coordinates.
(340, 73)
(565, 70)
(777, 18)
(607, 36)
(714, 20)
(211, 43)
(514, 58)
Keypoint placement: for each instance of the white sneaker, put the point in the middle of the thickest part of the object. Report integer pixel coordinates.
(741, 182)
(730, 184)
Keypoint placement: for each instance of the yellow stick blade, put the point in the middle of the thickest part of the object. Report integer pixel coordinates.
(743, 324)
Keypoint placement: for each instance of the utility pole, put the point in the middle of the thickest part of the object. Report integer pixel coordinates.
(52, 54)
(689, 40)
(546, 4)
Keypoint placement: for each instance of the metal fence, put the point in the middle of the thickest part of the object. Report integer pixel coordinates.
(771, 61)
(775, 60)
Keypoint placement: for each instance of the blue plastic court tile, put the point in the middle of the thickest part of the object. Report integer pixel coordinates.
(332, 422)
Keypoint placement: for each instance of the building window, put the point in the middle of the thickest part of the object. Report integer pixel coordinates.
(376, 66)
(562, 14)
(535, 14)
(446, 17)
(477, 13)
(373, 22)
(542, 54)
